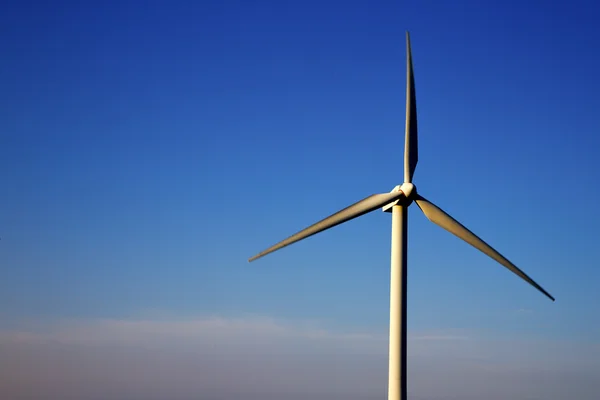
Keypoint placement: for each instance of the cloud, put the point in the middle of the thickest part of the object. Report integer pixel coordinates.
(207, 334)
(260, 357)
(439, 337)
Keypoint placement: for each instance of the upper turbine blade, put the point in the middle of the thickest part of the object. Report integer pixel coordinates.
(364, 206)
(411, 144)
(441, 218)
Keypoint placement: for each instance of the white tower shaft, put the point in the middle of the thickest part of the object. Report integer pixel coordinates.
(397, 344)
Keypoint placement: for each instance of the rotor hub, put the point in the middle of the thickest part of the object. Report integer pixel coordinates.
(409, 190)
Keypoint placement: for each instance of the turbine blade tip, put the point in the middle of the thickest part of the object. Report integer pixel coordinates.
(548, 295)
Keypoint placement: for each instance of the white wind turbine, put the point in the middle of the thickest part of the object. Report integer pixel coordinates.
(397, 202)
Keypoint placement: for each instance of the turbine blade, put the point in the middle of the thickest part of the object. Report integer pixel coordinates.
(362, 207)
(441, 218)
(411, 144)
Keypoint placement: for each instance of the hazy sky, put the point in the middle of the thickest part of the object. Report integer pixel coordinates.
(147, 149)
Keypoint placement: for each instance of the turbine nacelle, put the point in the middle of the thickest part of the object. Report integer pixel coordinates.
(408, 190)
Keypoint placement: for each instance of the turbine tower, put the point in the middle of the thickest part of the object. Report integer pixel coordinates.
(397, 202)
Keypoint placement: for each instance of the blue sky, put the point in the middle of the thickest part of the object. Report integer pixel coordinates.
(148, 150)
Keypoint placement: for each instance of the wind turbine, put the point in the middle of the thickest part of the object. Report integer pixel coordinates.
(397, 202)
